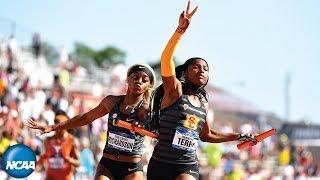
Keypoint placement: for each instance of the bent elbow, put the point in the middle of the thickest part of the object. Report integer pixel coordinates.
(210, 138)
(204, 138)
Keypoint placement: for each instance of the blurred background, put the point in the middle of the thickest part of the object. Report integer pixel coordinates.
(263, 57)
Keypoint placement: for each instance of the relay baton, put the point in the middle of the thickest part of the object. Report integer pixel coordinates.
(259, 138)
(134, 128)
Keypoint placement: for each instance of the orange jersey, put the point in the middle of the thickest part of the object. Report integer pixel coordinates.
(55, 151)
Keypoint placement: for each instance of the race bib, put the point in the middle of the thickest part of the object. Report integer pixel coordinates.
(185, 139)
(56, 162)
(121, 141)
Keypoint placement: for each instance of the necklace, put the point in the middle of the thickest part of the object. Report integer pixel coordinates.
(129, 108)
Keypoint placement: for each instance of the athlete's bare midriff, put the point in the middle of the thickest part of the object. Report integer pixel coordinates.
(122, 158)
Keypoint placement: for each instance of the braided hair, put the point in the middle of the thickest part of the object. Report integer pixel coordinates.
(159, 93)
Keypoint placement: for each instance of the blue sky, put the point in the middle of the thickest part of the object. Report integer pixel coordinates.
(254, 43)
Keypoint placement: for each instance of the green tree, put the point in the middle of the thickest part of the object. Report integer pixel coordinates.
(83, 50)
(156, 66)
(109, 54)
(49, 52)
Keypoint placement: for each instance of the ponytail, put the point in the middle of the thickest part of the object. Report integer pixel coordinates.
(155, 107)
(147, 95)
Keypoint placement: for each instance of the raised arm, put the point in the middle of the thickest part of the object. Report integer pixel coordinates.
(167, 64)
(102, 109)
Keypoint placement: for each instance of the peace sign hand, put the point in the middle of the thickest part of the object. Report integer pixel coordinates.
(185, 18)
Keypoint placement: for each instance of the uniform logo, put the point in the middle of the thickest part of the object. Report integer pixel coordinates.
(193, 172)
(19, 161)
(191, 122)
(114, 115)
(132, 169)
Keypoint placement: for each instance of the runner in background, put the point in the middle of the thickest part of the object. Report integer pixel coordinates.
(61, 155)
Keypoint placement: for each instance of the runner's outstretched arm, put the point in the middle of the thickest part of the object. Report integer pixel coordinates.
(210, 135)
(102, 109)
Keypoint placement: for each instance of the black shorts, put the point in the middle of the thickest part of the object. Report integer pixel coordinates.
(120, 169)
(159, 170)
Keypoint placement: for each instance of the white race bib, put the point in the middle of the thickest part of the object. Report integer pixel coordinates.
(121, 141)
(56, 162)
(185, 139)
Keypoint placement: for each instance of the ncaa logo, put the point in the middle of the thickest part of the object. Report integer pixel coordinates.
(19, 161)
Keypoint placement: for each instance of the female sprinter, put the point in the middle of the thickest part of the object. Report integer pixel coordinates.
(61, 155)
(122, 153)
(182, 113)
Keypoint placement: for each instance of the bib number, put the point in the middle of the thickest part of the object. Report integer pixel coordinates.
(121, 141)
(185, 139)
(56, 162)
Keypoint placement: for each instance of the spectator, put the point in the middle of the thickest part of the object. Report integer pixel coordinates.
(87, 158)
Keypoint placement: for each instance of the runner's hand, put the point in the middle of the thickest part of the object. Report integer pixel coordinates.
(138, 123)
(35, 125)
(185, 18)
(247, 137)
